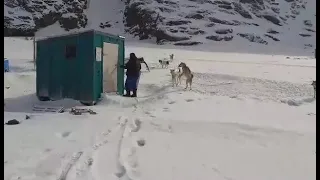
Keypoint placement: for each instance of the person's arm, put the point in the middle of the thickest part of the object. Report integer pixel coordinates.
(124, 66)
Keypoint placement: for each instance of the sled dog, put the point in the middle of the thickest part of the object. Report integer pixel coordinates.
(186, 72)
(164, 63)
(175, 76)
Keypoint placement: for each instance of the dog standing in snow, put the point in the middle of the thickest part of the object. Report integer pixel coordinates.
(186, 72)
(165, 62)
(314, 88)
(175, 76)
(171, 57)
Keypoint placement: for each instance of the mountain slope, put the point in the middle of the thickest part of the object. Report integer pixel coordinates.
(180, 22)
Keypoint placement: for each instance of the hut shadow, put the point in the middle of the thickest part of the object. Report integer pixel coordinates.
(25, 103)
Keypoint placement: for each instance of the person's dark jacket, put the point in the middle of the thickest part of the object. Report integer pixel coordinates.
(133, 66)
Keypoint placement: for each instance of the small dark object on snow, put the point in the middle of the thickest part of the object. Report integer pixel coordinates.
(12, 122)
(141, 142)
(27, 117)
(76, 111)
(92, 112)
(7, 87)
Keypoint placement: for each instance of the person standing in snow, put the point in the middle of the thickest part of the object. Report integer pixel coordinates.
(133, 67)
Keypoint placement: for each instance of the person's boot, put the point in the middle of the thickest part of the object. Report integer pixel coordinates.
(127, 93)
(134, 93)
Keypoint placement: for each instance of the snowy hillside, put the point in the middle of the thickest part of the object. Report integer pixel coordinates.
(248, 117)
(285, 23)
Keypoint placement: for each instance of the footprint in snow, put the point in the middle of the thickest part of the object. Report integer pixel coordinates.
(171, 102)
(189, 100)
(63, 134)
(165, 109)
(141, 142)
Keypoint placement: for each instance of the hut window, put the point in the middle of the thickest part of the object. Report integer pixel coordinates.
(71, 51)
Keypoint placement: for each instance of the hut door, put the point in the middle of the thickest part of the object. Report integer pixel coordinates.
(110, 70)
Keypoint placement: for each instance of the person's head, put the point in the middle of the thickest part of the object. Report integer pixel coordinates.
(133, 56)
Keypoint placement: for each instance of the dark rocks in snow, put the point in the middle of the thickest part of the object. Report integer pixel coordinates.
(228, 7)
(228, 38)
(271, 37)
(253, 38)
(69, 23)
(275, 9)
(255, 24)
(165, 9)
(289, 0)
(195, 16)
(271, 31)
(12, 122)
(215, 20)
(105, 25)
(295, 12)
(162, 35)
(177, 22)
(273, 19)
(141, 22)
(69, 14)
(310, 30)
(222, 3)
(307, 23)
(196, 32)
(251, 1)
(188, 43)
(166, 2)
(239, 9)
(236, 22)
(224, 31)
(304, 35)
(219, 38)
(283, 19)
(210, 25)
(214, 38)
(201, 1)
(226, 11)
(173, 30)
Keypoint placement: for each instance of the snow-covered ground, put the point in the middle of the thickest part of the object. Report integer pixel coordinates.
(248, 117)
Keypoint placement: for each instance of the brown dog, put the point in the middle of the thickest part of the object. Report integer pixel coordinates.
(186, 72)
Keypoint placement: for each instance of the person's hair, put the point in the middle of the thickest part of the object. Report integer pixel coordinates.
(133, 56)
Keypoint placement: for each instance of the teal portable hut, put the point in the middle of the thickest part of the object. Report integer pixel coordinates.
(79, 66)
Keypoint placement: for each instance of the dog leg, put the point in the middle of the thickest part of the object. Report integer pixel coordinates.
(176, 81)
(186, 84)
(173, 82)
(180, 75)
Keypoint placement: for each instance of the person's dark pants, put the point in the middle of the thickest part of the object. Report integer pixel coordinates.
(131, 84)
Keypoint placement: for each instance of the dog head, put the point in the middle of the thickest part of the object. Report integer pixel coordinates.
(182, 64)
(171, 56)
(160, 61)
(313, 83)
(141, 59)
(172, 71)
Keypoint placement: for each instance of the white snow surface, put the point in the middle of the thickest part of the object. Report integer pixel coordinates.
(247, 117)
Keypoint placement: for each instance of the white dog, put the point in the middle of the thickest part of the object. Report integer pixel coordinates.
(175, 76)
(165, 62)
